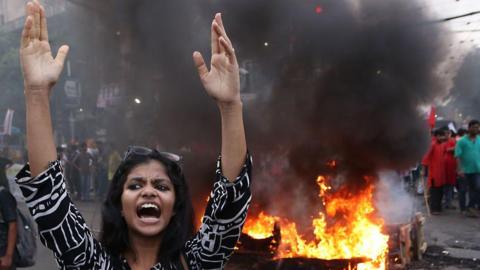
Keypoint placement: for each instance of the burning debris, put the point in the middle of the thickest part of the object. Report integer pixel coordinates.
(345, 230)
(400, 245)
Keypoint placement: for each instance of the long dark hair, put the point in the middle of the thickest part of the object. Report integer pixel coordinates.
(114, 233)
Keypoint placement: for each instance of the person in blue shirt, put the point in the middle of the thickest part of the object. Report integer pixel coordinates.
(467, 152)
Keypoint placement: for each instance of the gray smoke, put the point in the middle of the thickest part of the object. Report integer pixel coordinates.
(349, 87)
(465, 94)
(395, 205)
(336, 81)
(355, 89)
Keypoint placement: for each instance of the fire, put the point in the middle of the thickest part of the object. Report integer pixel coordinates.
(346, 229)
(261, 227)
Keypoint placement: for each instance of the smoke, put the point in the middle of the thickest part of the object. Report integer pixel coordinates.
(395, 205)
(355, 90)
(465, 94)
(332, 80)
(349, 89)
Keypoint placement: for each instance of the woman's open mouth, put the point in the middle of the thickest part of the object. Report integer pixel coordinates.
(149, 212)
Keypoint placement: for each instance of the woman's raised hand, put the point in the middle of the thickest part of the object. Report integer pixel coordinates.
(222, 81)
(40, 70)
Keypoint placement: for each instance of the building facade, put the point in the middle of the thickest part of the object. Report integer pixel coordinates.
(12, 12)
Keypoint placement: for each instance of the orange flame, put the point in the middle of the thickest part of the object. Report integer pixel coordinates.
(355, 232)
(260, 227)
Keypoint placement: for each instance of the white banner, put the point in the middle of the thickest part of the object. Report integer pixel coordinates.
(7, 123)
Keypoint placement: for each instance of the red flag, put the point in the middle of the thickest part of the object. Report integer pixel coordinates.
(431, 118)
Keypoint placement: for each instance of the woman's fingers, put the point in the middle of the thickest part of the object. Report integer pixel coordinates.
(230, 51)
(200, 64)
(218, 18)
(214, 39)
(31, 14)
(26, 32)
(220, 35)
(221, 49)
(221, 29)
(226, 45)
(221, 32)
(36, 20)
(43, 25)
(62, 55)
(35, 25)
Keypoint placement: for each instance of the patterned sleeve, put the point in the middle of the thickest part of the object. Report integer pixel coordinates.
(61, 227)
(222, 223)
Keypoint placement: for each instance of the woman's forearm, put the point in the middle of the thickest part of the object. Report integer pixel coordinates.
(40, 72)
(234, 146)
(40, 142)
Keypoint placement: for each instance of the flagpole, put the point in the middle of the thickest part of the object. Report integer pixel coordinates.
(426, 189)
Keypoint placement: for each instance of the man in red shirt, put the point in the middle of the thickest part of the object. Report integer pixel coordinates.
(435, 161)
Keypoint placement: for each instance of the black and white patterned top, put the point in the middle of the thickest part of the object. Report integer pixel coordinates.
(63, 229)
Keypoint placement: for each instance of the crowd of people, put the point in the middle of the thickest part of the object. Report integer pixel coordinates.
(89, 166)
(452, 163)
